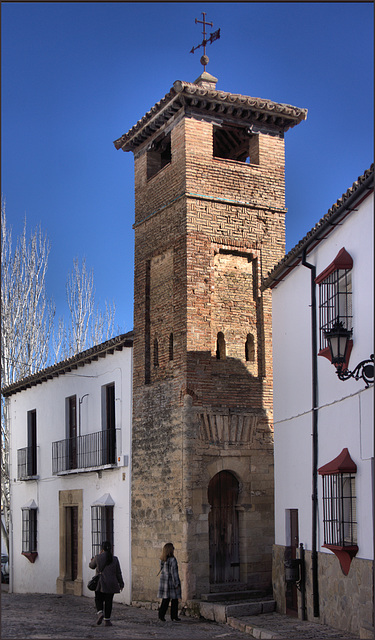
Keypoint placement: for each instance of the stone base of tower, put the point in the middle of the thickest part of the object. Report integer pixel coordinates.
(203, 480)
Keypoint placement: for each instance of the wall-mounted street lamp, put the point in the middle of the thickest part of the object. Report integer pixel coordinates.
(338, 338)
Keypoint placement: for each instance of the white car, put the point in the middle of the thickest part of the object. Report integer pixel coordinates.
(4, 568)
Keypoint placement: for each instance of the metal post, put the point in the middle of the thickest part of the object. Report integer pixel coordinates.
(314, 554)
(302, 581)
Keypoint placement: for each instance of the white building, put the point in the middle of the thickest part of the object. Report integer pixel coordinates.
(324, 426)
(70, 429)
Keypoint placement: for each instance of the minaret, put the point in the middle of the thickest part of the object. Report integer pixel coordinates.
(209, 223)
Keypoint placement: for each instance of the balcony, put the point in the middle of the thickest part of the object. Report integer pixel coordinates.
(26, 463)
(84, 452)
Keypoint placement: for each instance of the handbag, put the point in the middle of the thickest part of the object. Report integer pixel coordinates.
(93, 583)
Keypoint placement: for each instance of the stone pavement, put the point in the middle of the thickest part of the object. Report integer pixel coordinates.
(276, 625)
(51, 616)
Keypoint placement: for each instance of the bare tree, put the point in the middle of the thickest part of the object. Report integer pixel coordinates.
(89, 325)
(59, 341)
(103, 323)
(26, 322)
(80, 294)
(27, 319)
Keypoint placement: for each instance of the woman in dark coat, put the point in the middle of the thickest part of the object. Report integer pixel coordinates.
(110, 582)
(169, 584)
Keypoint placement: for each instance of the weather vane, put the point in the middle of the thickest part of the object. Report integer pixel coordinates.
(213, 36)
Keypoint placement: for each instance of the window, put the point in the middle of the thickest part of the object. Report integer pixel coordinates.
(156, 353)
(31, 443)
(231, 142)
(71, 423)
(101, 523)
(159, 155)
(27, 457)
(340, 528)
(220, 346)
(29, 530)
(171, 346)
(335, 295)
(339, 507)
(108, 441)
(249, 348)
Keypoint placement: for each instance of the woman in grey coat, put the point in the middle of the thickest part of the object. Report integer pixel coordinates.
(169, 584)
(110, 582)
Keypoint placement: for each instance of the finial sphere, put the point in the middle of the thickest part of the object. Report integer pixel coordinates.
(204, 60)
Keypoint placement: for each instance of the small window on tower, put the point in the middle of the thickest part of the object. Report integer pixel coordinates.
(220, 346)
(156, 353)
(159, 155)
(235, 143)
(249, 348)
(171, 346)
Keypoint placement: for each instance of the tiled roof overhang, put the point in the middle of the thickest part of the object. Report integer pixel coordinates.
(71, 364)
(358, 192)
(202, 100)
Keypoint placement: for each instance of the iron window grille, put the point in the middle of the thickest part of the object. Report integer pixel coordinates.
(83, 452)
(101, 527)
(335, 302)
(26, 463)
(339, 510)
(29, 530)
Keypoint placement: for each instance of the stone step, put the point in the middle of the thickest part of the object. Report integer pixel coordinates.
(220, 612)
(250, 608)
(225, 596)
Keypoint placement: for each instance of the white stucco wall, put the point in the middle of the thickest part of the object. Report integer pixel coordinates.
(345, 417)
(48, 399)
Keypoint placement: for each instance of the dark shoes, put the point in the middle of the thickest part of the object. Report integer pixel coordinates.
(100, 618)
(108, 623)
(176, 619)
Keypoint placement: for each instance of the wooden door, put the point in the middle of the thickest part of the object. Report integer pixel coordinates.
(110, 434)
(71, 542)
(31, 444)
(292, 542)
(72, 435)
(223, 529)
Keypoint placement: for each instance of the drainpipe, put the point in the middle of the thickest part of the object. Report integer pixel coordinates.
(80, 400)
(314, 351)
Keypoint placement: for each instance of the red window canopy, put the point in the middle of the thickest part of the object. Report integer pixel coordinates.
(342, 464)
(343, 260)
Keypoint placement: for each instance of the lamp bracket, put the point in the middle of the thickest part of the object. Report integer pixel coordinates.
(364, 370)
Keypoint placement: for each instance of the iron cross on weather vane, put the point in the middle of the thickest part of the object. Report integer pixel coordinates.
(213, 36)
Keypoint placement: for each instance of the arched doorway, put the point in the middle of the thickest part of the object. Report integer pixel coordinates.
(223, 528)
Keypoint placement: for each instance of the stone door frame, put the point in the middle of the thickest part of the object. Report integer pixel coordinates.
(64, 584)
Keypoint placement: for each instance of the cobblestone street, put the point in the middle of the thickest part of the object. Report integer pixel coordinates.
(46, 616)
(38, 617)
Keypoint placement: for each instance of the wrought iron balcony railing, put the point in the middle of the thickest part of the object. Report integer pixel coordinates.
(26, 463)
(83, 452)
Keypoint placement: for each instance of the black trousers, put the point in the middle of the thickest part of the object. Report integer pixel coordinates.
(105, 599)
(164, 607)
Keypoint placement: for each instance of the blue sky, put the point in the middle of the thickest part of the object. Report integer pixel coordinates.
(76, 76)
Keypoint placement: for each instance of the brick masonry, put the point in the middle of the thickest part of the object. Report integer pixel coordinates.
(206, 230)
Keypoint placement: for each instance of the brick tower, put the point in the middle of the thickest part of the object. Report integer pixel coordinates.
(209, 223)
